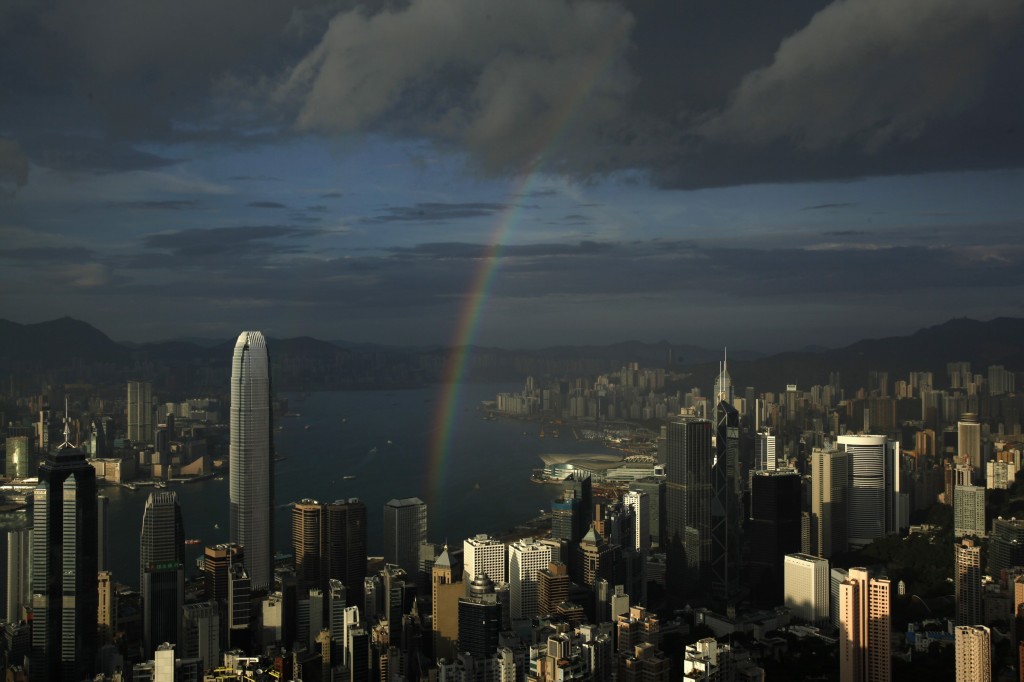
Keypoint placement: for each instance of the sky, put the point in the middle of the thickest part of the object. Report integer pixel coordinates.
(519, 173)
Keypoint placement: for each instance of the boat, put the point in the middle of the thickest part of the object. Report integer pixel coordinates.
(216, 526)
(280, 458)
(389, 442)
(373, 450)
(308, 427)
(193, 541)
(347, 477)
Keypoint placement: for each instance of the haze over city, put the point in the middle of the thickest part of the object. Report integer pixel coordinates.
(577, 172)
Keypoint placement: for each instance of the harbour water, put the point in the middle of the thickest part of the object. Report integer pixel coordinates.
(382, 439)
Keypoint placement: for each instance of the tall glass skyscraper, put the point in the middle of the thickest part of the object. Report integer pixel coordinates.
(162, 570)
(688, 493)
(64, 580)
(251, 458)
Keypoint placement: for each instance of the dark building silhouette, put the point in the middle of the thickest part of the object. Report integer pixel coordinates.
(774, 531)
(161, 570)
(343, 546)
(725, 500)
(479, 618)
(688, 463)
(64, 581)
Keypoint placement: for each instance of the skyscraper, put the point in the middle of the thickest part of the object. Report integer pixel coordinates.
(405, 528)
(968, 439)
(968, 510)
(639, 502)
(829, 488)
(344, 546)
(864, 628)
(483, 555)
(967, 582)
(306, 537)
(65, 595)
(774, 530)
(873, 505)
(764, 450)
(161, 570)
(19, 546)
(140, 412)
(973, 653)
(526, 558)
(689, 459)
(251, 466)
(479, 618)
(807, 587)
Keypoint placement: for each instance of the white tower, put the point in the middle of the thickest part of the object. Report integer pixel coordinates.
(251, 458)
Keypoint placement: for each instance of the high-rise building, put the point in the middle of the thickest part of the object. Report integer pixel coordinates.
(873, 502)
(251, 458)
(19, 548)
(18, 457)
(444, 598)
(552, 587)
(106, 617)
(829, 488)
(479, 618)
(161, 570)
(967, 582)
(201, 633)
(405, 529)
(217, 561)
(968, 432)
(973, 653)
(526, 558)
(598, 559)
(306, 536)
(764, 450)
(1005, 545)
(968, 510)
(655, 489)
(689, 458)
(807, 587)
(639, 503)
(102, 532)
(64, 583)
(140, 412)
(774, 530)
(864, 628)
(344, 546)
(725, 501)
(483, 555)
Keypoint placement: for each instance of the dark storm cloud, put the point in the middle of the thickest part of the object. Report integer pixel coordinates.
(53, 254)
(820, 207)
(436, 212)
(234, 241)
(266, 204)
(13, 167)
(157, 205)
(447, 250)
(689, 94)
(332, 195)
(254, 178)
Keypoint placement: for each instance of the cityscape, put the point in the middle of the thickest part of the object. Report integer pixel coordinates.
(859, 529)
(511, 340)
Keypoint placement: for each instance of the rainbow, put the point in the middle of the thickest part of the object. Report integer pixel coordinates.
(454, 371)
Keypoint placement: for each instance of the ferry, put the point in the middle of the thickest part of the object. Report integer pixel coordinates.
(347, 477)
(373, 450)
(193, 541)
(308, 427)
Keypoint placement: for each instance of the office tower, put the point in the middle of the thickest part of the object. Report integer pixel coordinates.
(106, 615)
(483, 555)
(836, 576)
(552, 587)
(973, 653)
(140, 412)
(102, 532)
(1000, 381)
(968, 439)
(1005, 545)
(405, 528)
(306, 536)
(807, 587)
(161, 570)
(19, 549)
(968, 510)
(64, 583)
(526, 558)
(636, 626)
(239, 609)
(251, 458)
(217, 561)
(873, 505)
(344, 546)
(18, 457)
(573, 511)
(725, 489)
(967, 581)
(444, 600)
(688, 499)
(774, 528)
(639, 503)
(829, 488)
(598, 559)
(764, 450)
(201, 633)
(864, 628)
(479, 618)
(655, 490)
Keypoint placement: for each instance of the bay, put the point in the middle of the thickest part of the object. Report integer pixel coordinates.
(383, 439)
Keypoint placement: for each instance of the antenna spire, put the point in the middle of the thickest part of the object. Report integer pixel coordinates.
(67, 427)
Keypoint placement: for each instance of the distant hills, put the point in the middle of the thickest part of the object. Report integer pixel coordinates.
(72, 350)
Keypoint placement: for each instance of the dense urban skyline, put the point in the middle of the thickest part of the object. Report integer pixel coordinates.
(690, 171)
